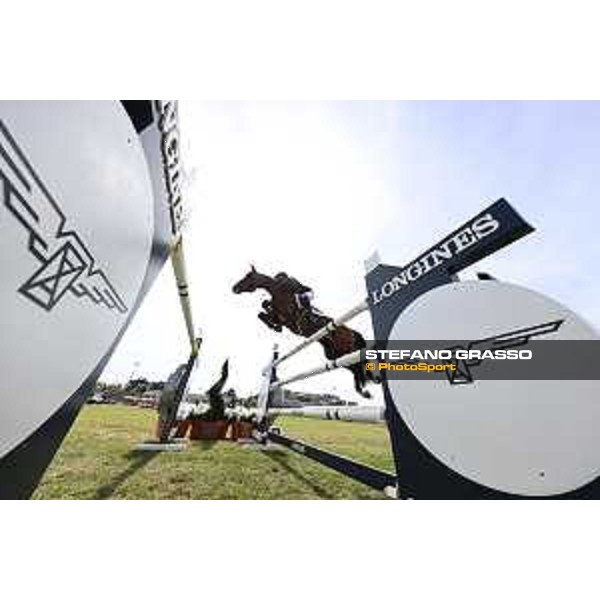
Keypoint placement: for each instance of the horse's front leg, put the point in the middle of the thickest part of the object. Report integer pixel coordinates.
(267, 319)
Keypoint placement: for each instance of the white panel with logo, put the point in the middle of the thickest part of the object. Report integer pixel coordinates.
(76, 227)
(520, 437)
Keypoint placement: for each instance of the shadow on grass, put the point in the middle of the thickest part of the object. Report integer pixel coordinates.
(204, 444)
(282, 458)
(138, 461)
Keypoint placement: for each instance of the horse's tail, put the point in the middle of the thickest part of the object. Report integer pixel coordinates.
(216, 388)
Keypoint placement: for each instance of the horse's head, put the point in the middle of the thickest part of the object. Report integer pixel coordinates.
(248, 283)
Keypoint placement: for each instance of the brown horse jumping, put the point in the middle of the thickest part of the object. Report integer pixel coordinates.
(289, 307)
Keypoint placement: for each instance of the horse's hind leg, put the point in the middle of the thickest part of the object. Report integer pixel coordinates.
(360, 380)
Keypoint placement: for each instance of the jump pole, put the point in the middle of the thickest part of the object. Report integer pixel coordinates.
(171, 398)
(356, 414)
(321, 333)
(180, 272)
(344, 361)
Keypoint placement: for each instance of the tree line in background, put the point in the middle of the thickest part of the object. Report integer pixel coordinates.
(145, 393)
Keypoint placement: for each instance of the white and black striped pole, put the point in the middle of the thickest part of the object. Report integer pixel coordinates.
(179, 270)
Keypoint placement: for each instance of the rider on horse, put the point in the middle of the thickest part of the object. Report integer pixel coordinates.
(290, 306)
(302, 293)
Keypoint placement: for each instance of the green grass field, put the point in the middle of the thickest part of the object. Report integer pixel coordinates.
(97, 461)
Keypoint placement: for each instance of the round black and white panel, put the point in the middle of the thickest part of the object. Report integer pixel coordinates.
(76, 222)
(529, 438)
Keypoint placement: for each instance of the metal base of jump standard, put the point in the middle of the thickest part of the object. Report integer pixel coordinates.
(467, 436)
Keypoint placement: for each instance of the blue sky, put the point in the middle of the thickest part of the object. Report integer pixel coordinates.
(314, 188)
